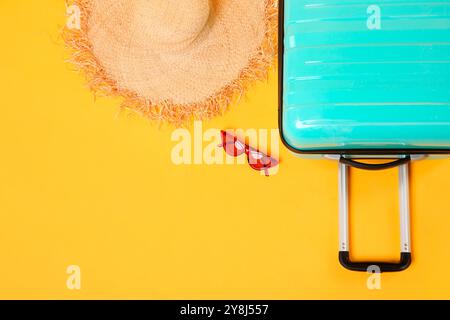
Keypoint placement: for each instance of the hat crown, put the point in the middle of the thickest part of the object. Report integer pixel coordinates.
(172, 22)
(175, 58)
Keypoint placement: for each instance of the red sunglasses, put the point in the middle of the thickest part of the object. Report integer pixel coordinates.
(256, 159)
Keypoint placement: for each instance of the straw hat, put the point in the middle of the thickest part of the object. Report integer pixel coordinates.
(174, 60)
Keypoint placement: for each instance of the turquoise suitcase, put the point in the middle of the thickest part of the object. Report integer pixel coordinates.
(363, 79)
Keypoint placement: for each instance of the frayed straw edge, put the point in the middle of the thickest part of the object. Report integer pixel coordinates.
(101, 84)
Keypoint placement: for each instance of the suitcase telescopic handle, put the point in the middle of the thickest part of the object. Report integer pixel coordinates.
(344, 248)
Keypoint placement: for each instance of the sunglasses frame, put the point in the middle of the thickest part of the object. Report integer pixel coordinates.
(254, 162)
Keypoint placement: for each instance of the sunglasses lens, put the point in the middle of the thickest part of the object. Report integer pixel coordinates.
(240, 147)
(232, 145)
(255, 155)
(259, 160)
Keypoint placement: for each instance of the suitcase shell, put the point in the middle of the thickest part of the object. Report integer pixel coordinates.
(359, 78)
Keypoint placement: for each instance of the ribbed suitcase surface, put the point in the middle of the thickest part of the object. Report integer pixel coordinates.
(366, 74)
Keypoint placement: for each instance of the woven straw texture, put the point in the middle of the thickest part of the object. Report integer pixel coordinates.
(174, 60)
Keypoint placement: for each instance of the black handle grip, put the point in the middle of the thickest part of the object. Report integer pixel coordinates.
(405, 262)
(370, 166)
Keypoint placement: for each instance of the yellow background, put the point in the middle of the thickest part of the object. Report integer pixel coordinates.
(82, 185)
